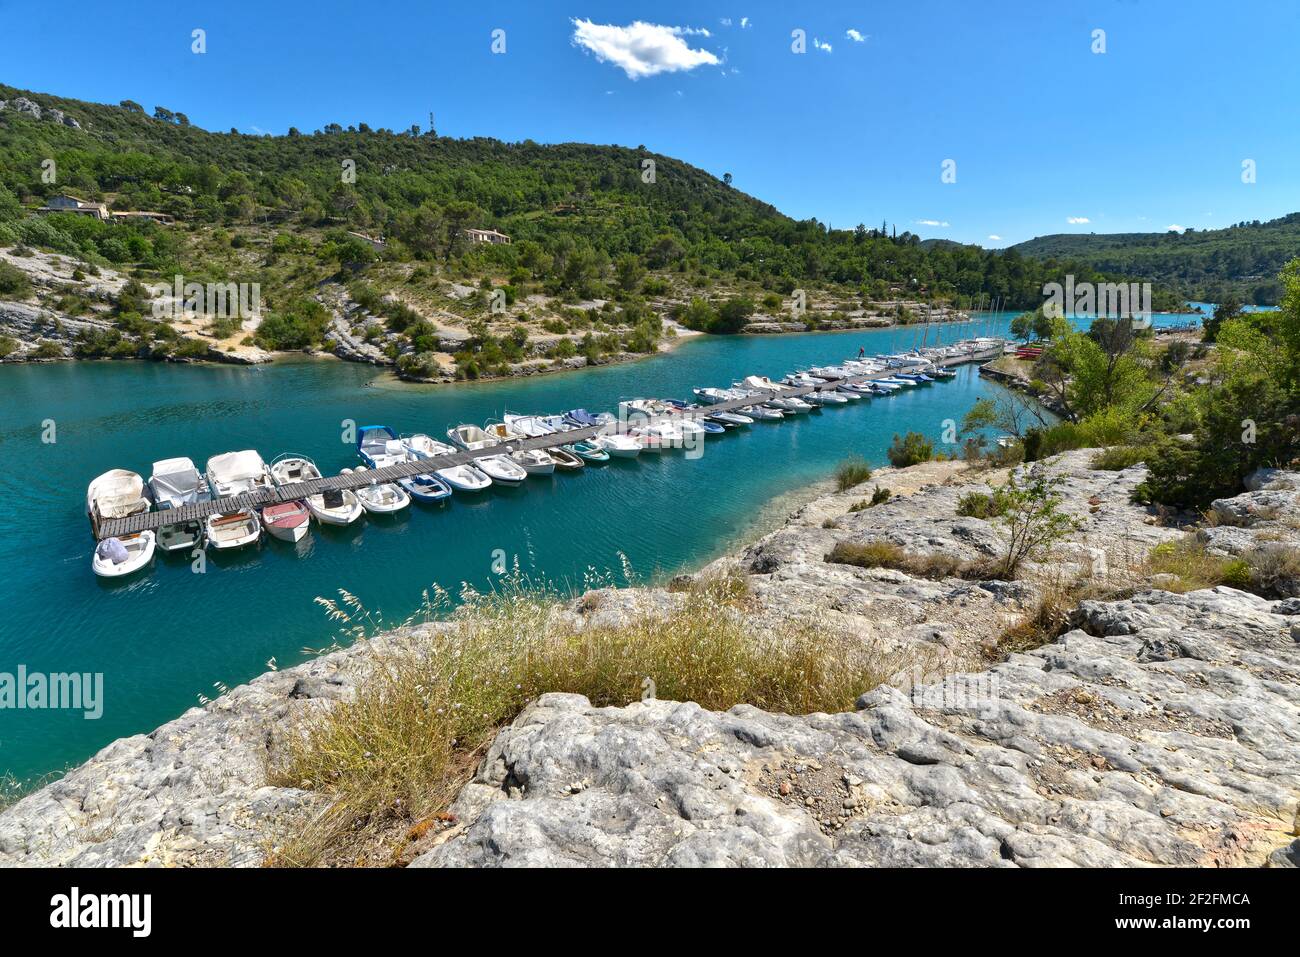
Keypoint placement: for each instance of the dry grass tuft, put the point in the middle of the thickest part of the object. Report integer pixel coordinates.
(1190, 567)
(393, 758)
(882, 554)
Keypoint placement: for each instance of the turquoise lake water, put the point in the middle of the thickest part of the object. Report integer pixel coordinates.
(166, 638)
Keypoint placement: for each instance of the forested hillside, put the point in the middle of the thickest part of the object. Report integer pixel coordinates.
(1241, 261)
(572, 210)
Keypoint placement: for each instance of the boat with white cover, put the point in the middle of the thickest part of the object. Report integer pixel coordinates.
(119, 557)
(176, 482)
(115, 494)
(237, 473)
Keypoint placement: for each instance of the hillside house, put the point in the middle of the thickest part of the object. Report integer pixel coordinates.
(487, 236)
(71, 204)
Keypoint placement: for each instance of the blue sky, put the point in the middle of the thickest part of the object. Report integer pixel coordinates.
(1152, 133)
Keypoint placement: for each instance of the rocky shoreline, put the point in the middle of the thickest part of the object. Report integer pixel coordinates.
(1159, 729)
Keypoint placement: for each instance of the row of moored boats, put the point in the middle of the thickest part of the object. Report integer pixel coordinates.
(642, 425)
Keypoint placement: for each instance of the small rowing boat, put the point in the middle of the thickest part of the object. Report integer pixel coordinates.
(287, 521)
(230, 530)
(119, 557)
(587, 451)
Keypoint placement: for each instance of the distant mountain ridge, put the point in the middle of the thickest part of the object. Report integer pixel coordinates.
(1242, 260)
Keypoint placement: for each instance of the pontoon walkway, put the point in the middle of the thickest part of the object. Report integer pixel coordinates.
(117, 527)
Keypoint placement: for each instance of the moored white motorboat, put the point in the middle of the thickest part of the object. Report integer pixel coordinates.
(471, 438)
(287, 521)
(231, 530)
(501, 469)
(503, 433)
(714, 396)
(380, 498)
(119, 557)
(789, 403)
(763, 413)
(462, 478)
(730, 420)
(618, 445)
(535, 461)
(531, 426)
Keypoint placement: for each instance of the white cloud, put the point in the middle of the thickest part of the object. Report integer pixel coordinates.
(725, 21)
(1175, 228)
(933, 222)
(821, 45)
(854, 35)
(744, 23)
(996, 238)
(642, 49)
(1077, 220)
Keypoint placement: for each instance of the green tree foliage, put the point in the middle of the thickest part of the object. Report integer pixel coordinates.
(1107, 367)
(1209, 265)
(1028, 509)
(910, 449)
(572, 210)
(1035, 325)
(1248, 418)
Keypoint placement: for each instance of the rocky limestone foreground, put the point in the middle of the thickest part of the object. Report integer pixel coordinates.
(1162, 729)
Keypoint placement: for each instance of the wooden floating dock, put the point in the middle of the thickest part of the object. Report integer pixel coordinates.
(198, 511)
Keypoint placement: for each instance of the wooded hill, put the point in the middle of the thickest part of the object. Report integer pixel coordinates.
(573, 210)
(1207, 265)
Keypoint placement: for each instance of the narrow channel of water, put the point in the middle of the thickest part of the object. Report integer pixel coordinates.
(166, 638)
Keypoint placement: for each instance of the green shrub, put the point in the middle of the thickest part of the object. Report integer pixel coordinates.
(850, 473)
(1223, 451)
(911, 449)
(1119, 457)
(1191, 567)
(301, 327)
(8, 346)
(14, 283)
(1273, 570)
(980, 505)
(881, 554)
